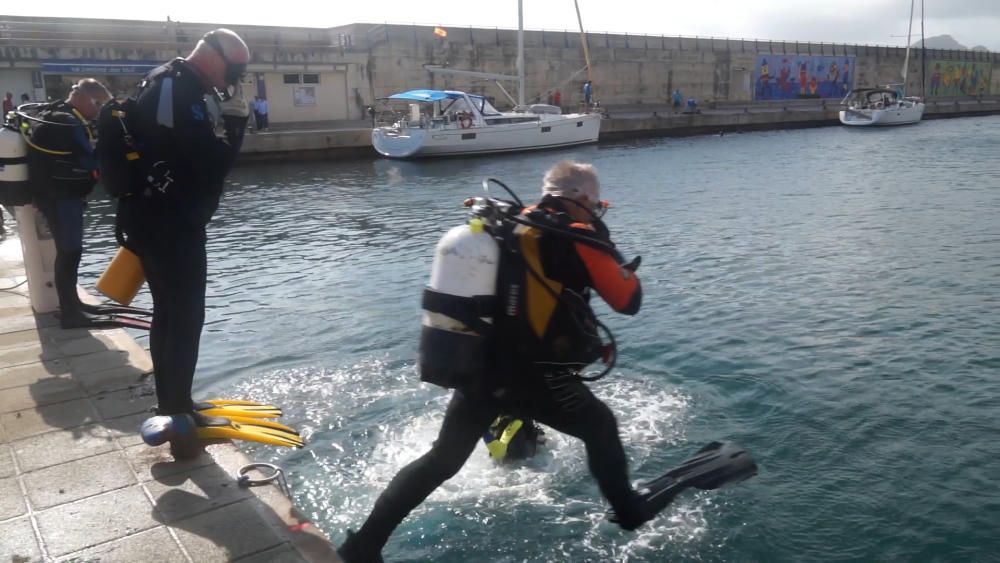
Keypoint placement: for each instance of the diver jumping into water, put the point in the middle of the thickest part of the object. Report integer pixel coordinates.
(521, 351)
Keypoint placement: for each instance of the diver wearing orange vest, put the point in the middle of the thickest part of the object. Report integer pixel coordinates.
(544, 346)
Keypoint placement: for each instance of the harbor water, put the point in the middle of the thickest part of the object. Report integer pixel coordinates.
(827, 298)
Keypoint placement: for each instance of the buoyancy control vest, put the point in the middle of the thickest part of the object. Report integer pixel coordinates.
(126, 164)
(61, 158)
(491, 307)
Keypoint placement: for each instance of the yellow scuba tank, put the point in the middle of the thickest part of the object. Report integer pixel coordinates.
(458, 307)
(123, 278)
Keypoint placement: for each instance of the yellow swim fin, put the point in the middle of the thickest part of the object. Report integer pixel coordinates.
(238, 408)
(239, 428)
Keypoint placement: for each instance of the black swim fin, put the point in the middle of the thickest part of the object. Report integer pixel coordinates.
(83, 320)
(114, 309)
(716, 465)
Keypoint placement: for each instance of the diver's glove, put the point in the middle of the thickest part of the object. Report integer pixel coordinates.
(235, 107)
(235, 114)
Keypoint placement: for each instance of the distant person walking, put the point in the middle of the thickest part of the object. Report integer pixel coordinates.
(557, 98)
(8, 104)
(588, 93)
(25, 99)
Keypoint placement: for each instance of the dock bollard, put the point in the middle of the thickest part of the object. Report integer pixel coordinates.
(39, 249)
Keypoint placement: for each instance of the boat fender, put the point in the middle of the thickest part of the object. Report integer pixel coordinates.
(458, 307)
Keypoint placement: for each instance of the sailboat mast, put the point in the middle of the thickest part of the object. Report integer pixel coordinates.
(909, 34)
(583, 41)
(520, 52)
(923, 55)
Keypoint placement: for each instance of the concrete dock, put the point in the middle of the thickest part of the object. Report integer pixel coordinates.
(76, 481)
(352, 138)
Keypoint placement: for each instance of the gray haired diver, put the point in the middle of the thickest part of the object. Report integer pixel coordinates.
(507, 326)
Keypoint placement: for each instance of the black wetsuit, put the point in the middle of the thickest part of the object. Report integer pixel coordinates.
(554, 397)
(164, 220)
(60, 185)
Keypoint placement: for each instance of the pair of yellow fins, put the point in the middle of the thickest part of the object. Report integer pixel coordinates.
(230, 419)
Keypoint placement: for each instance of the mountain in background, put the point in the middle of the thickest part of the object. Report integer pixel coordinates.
(947, 42)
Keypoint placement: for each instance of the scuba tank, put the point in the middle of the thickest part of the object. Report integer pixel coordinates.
(15, 190)
(487, 287)
(458, 307)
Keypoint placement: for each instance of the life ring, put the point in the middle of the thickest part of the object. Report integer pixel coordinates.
(465, 121)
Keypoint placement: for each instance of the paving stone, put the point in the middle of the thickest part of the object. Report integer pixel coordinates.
(107, 359)
(182, 495)
(79, 479)
(44, 392)
(26, 354)
(152, 545)
(6, 462)
(210, 535)
(116, 379)
(60, 416)
(19, 376)
(125, 429)
(281, 554)
(157, 463)
(88, 343)
(11, 500)
(19, 543)
(134, 400)
(18, 339)
(62, 447)
(68, 528)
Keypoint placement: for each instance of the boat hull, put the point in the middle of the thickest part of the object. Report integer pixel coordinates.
(546, 133)
(882, 117)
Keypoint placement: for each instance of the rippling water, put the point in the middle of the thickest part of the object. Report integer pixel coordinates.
(826, 298)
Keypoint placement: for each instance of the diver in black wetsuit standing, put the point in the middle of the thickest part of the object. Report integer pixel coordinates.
(63, 171)
(181, 109)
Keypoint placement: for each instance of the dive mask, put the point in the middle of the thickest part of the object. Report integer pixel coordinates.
(234, 71)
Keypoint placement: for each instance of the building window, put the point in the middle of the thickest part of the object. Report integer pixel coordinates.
(292, 79)
(304, 96)
(310, 79)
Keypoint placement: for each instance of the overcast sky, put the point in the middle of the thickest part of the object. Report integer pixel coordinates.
(971, 22)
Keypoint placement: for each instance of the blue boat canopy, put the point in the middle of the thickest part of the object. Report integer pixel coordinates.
(425, 95)
(430, 96)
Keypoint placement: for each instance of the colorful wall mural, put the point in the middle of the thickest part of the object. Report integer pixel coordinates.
(790, 77)
(958, 78)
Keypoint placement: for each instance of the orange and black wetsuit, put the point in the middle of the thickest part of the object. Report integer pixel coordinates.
(540, 390)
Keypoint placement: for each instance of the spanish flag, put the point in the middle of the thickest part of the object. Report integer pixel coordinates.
(440, 32)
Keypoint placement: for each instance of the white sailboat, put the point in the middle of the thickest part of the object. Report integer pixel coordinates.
(451, 122)
(868, 107)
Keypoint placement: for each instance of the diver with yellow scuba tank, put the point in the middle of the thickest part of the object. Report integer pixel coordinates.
(508, 326)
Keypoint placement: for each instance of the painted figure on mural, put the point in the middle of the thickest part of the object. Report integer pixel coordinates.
(803, 77)
(834, 76)
(813, 86)
(936, 79)
(784, 78)
(765, 79)
(844, 75)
